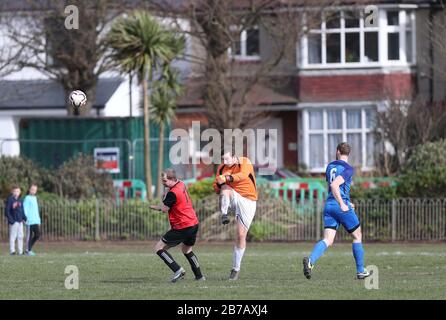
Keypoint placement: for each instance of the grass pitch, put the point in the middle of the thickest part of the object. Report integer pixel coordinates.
(109, 270)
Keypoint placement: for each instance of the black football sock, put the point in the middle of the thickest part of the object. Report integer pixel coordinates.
(167, 258)
(193, 260)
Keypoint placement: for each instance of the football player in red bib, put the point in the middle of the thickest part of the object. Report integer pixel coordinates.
(183, 223)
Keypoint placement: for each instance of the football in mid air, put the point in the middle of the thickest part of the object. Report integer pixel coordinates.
(78, 98)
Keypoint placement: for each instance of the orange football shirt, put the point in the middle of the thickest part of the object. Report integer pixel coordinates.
(244, 179)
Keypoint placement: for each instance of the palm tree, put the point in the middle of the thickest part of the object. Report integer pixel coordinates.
(140, 44)
(164, 101)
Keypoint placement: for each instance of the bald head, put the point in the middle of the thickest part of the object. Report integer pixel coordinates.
(169, 177)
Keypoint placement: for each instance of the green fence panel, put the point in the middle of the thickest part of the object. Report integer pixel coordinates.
(52, 141)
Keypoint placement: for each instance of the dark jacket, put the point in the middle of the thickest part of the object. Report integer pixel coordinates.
(14, 214)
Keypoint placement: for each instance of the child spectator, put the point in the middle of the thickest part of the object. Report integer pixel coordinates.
(15, 215)
(31, 209)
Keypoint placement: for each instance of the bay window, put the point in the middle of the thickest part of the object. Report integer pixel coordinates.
(325, 128)
(343, 40)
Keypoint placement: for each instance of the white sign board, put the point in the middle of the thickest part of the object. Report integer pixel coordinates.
(106, 160)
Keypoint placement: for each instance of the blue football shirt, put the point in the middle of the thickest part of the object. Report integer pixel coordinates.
(335, 169)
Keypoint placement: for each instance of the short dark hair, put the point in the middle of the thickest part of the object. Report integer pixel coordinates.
(170, 174)
(15, 187)
(343, 148)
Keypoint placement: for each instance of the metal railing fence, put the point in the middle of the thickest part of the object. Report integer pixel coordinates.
(276, 220)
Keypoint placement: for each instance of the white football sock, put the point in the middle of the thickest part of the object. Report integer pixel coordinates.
(224, 203)
(237, 258)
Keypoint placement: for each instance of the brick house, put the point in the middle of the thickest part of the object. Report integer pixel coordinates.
(343, 73)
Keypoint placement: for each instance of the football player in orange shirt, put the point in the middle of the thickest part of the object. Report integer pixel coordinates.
(235, 183)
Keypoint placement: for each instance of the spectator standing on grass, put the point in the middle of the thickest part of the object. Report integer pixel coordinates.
(31, 209)
(15, 215)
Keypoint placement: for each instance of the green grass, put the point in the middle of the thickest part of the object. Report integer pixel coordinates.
(269, 271)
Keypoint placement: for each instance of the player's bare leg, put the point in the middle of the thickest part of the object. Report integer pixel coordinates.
(239, 249)
(318, 251)
(225, 201)
(161, 250)
(358, 254)
(329, 236)
(193, 261)
(160, 245)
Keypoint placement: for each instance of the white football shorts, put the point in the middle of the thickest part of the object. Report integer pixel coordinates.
(244, 208)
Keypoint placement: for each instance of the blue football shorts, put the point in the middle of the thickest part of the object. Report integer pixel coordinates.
(334, 216)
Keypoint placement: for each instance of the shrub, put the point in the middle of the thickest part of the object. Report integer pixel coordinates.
(77, 179)
(379, 193)
(22, 172)
(47, 196)
(424, 174)
(263, 230)
(201, 189)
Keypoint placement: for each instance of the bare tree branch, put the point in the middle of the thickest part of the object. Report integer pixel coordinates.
(75, 58)
(216, 26)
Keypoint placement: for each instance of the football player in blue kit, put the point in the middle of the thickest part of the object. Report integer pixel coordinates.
(338, 210)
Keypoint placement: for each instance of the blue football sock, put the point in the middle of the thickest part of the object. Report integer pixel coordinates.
(358, 253)
(318, 251)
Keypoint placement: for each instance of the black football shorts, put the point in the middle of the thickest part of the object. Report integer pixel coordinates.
(174, 237)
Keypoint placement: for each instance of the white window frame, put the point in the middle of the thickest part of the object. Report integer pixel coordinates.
(382, 30)
(243, 46)
(328, 154)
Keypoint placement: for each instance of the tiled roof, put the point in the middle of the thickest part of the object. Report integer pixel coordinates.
(277, 92)
(43, 94)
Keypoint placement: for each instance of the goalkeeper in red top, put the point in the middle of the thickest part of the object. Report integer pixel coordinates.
(235, 182)
(184, 226)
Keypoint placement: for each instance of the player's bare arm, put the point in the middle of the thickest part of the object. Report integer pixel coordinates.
(337, 193)
(162, 208)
